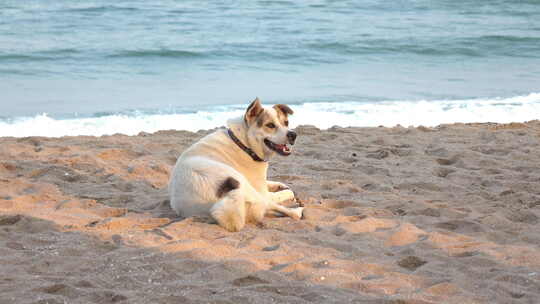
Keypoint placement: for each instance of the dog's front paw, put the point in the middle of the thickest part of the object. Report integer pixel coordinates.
(276, 186)
(297, 213)
(282, 196)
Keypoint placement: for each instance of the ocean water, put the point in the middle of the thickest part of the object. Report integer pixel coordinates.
(103, 67)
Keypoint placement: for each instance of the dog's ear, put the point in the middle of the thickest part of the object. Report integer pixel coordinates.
(253, 111)
(283, 109)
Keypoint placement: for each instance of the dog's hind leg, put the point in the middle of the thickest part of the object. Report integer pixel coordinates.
(281, 196)
(276, 186)
(295, 213)
(272, 202)
(230, 211)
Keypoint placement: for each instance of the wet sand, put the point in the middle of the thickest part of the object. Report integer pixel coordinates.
(393, 215)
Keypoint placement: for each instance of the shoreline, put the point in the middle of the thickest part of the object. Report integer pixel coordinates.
(323, 114)
(491, 124)
(411, 215)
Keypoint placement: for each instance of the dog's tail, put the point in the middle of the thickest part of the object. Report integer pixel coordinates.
(228, 185)
(230, 210)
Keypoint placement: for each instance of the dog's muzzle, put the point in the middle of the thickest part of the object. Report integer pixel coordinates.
(291, 137)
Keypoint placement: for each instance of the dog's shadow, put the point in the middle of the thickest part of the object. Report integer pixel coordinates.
(163, 210)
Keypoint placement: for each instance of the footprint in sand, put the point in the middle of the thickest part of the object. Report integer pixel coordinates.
(248, 281)
(447, 161)
(379, 154)
(6, 220)
(522, 216)
(338, 204)
(443, 171)
(107, 297)
(441, 152)
(62, 290)
(21, 223)
(411, 262)
(460, 226)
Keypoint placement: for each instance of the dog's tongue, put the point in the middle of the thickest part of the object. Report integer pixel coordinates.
(283, 148)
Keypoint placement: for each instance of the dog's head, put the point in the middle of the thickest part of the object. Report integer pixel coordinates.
(269, 128)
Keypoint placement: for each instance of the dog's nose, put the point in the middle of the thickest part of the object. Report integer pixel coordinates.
(291, 136)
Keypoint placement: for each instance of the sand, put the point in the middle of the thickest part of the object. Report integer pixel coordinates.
(393, 215)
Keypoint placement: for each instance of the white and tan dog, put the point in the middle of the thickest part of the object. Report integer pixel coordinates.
(224, 173)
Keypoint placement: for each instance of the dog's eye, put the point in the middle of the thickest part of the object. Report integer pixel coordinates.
(271, 125)
(286, 123)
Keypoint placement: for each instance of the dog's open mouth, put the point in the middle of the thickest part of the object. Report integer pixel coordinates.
(280, 149)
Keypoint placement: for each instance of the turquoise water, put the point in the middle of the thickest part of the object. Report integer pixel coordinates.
(81, 59)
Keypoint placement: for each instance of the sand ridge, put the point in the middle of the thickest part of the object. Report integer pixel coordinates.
(393, 215)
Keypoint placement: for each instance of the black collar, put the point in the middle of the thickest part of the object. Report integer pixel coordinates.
(250, 152)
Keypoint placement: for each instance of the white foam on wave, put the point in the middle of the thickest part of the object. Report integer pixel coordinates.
(322, 115)
(426, 113)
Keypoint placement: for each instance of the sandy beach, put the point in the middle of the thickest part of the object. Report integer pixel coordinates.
(393, 215)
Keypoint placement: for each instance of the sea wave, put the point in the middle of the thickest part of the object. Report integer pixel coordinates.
(321, 114)
(166, 53)
(474, 46)
(24, 57)
(99, 9)
(44, 55)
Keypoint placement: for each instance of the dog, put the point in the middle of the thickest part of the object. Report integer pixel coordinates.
(224, 174)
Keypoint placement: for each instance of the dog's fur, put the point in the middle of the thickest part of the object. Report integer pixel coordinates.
(215, 176)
